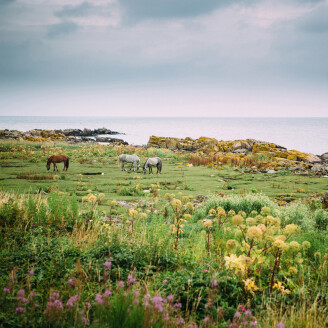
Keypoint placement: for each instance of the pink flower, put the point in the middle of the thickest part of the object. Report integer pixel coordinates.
(170, 298)
(164, 281)
(36, 305)
(237, 314)
(199, 298)
(107, 293)
(242, 308)
(254, 324)
(108, 264)
(84, 319)
(31, 272)
(178, 305)
(120, 284)
(214, 283)
(99, 299)
(131, 280)
(6, 290)
(32, 294)
(280, 325)
(205, 271)
(20, 309)
(87, 304)
(21, 292)
(71, 282)
(72, 301)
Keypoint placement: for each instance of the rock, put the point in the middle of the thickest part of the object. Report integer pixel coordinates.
(324, 200)
(324, 157)
(271, 171)
(313, 158)
(320, 169)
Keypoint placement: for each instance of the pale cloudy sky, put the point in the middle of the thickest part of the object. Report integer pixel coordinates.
(164, 57)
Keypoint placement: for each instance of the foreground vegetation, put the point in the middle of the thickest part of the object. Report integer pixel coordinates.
(198, 246)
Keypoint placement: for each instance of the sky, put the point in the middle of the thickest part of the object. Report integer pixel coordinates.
(253, 58)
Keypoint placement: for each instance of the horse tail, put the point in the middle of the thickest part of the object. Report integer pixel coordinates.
(67, 163)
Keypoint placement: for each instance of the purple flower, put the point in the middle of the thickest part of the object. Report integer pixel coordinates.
(107, 293)
(280, 325)
(99, 299)
(108, 264)
(6, 290)
(32, 294)
(31, 272)
(87, 304)
(199, 298)
(84, 319)
(164, 281)
(21, 292)
(131, 280)
(207, 319)
(20, 309)
(71, 282)
(72, 301)
(178, 305)
(214, 283)
(237, 314)
(254, 324)
(180, 321)
(120, 283)
(36, 305)
(170, 298)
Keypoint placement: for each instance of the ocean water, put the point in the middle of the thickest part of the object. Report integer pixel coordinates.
(304, 134)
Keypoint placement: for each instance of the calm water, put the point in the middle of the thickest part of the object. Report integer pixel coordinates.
(304, 134)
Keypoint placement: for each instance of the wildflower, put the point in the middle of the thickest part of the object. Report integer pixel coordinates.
(280, 245)
(185, 199)
(72, 300)
(306, 245)
(20, 309)
(176, 203)
(87, 304)
(133, 213)
(248, 312)
(237, 314)
(220, 212)
(180, 321)
(214, 283)
(32, 294)
(71, 282)
(265, 211)
(253, 324)
(120, 284)
(130, 280)
(212, 212)
(31, 272)
(99, 299)
(108, 264)
(21, 293)
(292, 270)
(242, 213)
(291, 229)
(317, 255)
(178, 305)
(205, 271)
(167, 196)
(280, 325)
(143, 216)
(254, 233)
(187, 216)
(237, 220)
(170, 298)
(164, 281)
(107, 293)
(6, 290)
(84, 319)
(36, 305)
(242, 308)
(208, 224)
(231, 244)
(294, 246)
(250, 221)
(207, 319)
(231, 213)
(157, 302)
(190, 206)
(262, 227)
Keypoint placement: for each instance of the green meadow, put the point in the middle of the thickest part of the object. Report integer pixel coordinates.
(196, 246)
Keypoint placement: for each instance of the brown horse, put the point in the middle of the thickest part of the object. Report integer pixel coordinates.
(58, 159)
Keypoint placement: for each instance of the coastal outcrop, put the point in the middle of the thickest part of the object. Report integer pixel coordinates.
(278, 155)
(67, 135)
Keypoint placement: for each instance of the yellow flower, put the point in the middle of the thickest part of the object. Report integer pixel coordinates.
(317, 255)
(101, 196)
(291, 229)
(281, 288)
(254, 233)
(133, 213)
(306, 245)
(143, 216)
(211, 212)
(167, 196)
(187, 216)
(280, 245)
(250, 221)
(231, 213)
(250, 285)
(237, 220)
(231, 244)
(262, 227)
(294, 246)
(190, 206)
(176, 203)
(292, 270)
(242, 213)
(185, 199)
(91, 198)
(221, 212)
(208, 224)
(265, 211)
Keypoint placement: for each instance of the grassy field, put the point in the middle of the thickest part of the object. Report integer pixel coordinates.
(97, 246)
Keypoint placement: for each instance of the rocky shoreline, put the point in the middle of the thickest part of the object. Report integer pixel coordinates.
(279, 157)
(72, 136)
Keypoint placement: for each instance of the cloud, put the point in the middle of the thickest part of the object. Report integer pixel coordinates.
(62, 28)
(316, 21)
(161, 9)
(6, 2)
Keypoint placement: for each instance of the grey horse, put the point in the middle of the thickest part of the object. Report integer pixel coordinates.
(150, 162)
(133, 159)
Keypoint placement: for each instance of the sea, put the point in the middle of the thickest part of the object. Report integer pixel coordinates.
(303, 134)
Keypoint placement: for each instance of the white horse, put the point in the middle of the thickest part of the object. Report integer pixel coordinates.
(150, 162)
(133, 159)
